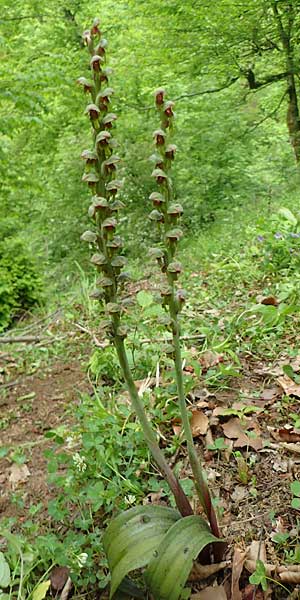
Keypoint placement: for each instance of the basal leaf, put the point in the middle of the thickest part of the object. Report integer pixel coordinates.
(131, 539)
(4, 572)
(168, 571)
(41, 590)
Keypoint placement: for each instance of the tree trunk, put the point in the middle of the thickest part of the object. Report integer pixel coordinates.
(293, 118)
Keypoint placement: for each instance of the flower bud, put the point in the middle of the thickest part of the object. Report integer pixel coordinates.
(89, 236)
(91, 179)
(105, 282)
(175, 210)
(108, 120)
(114, 186)
(157, 198)
(174, 235)
(118, 262)
(103, 138)
(95, 27)
(174, 268)
(96, 62)
(170, 151)
(98, 260)
(159, 96)
(160, 176)
(157, 216)
(100, 48)
(90, 157)
(93, 111)
(109, 165)
(168, 109)
(87, 38)
(96, 295)
(156, 253)
(88, 86)
(104, 97)
(116, 206)
(99, 204)
(113, 308)
(115, 243)
(159, 137)
(109, 224)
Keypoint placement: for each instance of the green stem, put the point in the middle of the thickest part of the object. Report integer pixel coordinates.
(200, 483)
(181, 499)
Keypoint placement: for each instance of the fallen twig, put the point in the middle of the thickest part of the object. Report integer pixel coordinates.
(198, 336)
(21, 339)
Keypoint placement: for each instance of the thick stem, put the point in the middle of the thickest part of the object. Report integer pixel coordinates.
(181, 499)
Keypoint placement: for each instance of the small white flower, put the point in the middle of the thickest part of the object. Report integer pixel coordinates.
(79, 462)
(81, 559)
(130, 499)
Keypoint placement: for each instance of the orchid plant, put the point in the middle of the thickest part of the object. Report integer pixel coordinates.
(163, 541)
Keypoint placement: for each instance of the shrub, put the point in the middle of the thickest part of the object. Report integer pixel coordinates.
(20, 283)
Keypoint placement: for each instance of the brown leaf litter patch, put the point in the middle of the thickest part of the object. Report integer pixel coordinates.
(38, 403)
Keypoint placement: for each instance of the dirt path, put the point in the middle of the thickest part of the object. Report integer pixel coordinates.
(34, 405)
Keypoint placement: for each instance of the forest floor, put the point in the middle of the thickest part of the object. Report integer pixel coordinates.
(247, 430)
(71, 453)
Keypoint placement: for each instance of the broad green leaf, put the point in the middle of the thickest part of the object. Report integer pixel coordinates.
(296, 503)
(4, 572)
(287, 214)
(168, 571)
(144, 298)
(295, 488)
(131, 539)
(41, 590)
(259, 577)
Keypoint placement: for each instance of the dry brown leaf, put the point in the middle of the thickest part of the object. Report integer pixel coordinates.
(58, 577)
(233, 428)
(199, 423)
(200, 572)
(210, 359)
(211, 593)
(18, 474)
(252, 442)
(270, 394)
(237, 567)
(294, 568)
(291, 447)
(67, 589)
(239, 493)
(250, 565)
(289, 387)
(290, 577)
(287, 434)
(269, 301)
(257, 550)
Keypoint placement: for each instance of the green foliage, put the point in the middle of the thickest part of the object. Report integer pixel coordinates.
(156, 537)
(259, 577)
(278, 242)
(295, 489)
(21, 285)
